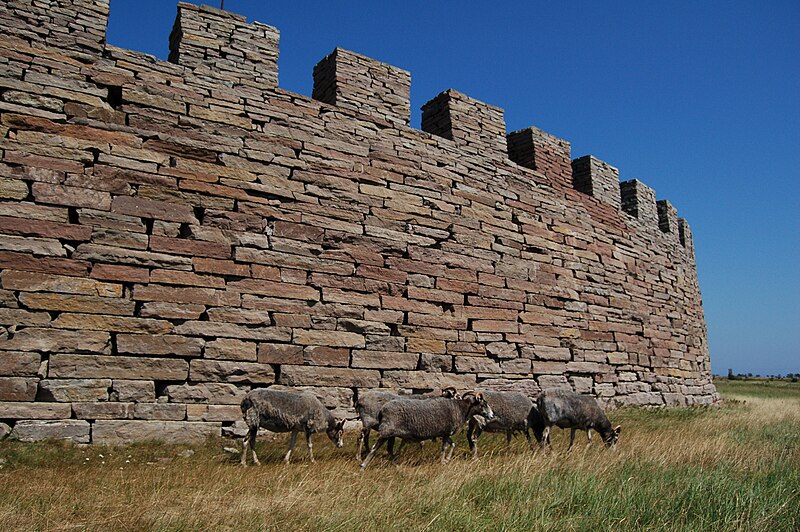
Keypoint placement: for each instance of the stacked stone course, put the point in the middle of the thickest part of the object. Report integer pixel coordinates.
(173, 234)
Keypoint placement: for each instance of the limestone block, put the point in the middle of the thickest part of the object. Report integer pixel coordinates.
(120, 432)
(527, 386)
(160, 411)
(66, 429)
(14, 410)
(384, 360)
(128, 390)
(201, 370)
(55, 340)
(323, 376)
(166, 344)
(74, 390)
(207, 392)
(107, 410)
(117, 367)
(428, 380)
(18, 388)
(19, 364)
(231, 349)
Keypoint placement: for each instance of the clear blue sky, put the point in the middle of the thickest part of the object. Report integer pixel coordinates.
(700, 100)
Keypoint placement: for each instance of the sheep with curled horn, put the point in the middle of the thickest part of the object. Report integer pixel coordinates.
(512, 413)
(568, 410)
(425, 420)
(286, 410)
(369, 405)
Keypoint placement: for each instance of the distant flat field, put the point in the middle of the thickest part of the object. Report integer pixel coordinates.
(730, 467)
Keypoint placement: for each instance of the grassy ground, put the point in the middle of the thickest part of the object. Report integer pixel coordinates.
(732, 467)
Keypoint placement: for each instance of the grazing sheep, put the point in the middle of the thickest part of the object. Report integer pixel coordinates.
(287, 411)
(512, 413)
(425, 420)
(368, 406)
(568, 410)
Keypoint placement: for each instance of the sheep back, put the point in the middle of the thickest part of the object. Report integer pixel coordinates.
(566, 409)
(511, 410)
(285, 410)
(420, 420)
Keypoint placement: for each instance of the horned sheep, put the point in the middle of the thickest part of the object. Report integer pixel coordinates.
(292, 411)
(369, 405)
(513, 412)
(425, 420)
(568, 410)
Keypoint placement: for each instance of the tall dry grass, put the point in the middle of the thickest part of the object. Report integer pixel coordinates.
(733, 467)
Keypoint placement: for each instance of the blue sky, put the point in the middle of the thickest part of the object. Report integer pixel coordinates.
(700, 100)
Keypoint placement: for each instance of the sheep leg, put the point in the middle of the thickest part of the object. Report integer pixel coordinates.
(472, 440)
(589, 436)
(528, 437)
(292, 441)
(377, 446)
(447, 442)
(361, 437)
(251, 439)
(545, 438)
(571, 438)
(310, 446)
(390, 448)
(246, 439)
(508, 438)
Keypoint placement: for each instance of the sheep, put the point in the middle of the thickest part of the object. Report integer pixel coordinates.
(567, 409)
(368, 406)
(287, 411)
(425, 420)
(513, 411)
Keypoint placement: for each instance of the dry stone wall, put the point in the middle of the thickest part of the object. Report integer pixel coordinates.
(173, 234)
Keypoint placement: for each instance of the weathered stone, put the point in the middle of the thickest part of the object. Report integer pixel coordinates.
(106, 410)
(5, 430)
(384, 360)
(231, 349)
(328, 338)
(160, 411)
(42, 282)
(14, 410)
(17, 364)
(137, 391)
(235, 372)
(323, 376)
(120, 432)
(53, 340)
(74, 430)
(325, 356)
(117, 367)
(167, 344)
(425, 380)
(281, 354)
(207, 392)
(18, 388)
(74, 390)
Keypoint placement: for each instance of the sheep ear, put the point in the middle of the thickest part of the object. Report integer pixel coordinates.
(340, 423)
(479, 396)
(618, 429)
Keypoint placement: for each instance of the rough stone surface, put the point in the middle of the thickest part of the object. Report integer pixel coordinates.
(117, 432)
(175, 233)
(78, 431)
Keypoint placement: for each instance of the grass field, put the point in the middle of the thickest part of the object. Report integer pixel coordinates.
(731, 467)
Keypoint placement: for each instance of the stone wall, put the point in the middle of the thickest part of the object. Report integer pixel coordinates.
(173, 234)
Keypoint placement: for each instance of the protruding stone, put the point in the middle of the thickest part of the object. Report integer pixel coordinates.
(74, 430)
(353, 81)
(543, 152)
(120, 432)
(639, 201)
(477, 127)
(598, 179)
